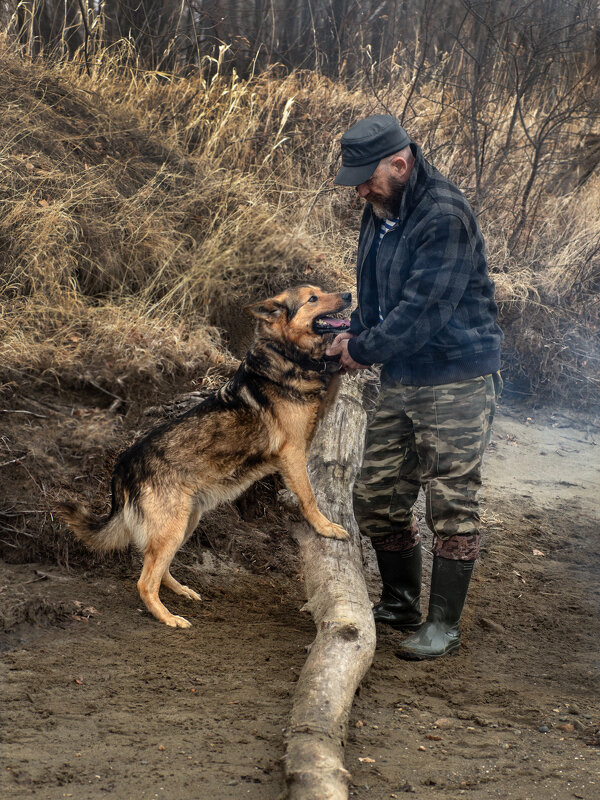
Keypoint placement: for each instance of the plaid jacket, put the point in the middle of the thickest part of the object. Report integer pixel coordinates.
(430, 279)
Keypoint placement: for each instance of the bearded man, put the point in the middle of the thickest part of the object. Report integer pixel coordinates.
(426, 312)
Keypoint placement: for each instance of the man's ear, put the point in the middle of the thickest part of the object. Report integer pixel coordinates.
(269, 310)
(399, 165)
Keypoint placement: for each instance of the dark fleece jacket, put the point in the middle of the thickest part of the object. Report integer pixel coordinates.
(430, 279)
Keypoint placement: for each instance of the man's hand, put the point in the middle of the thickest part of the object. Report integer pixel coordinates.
(340, 346)
(338, 340)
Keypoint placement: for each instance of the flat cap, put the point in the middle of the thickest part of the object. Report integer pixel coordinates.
(365, 144)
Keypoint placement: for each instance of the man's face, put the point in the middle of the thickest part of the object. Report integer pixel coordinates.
(384, 190)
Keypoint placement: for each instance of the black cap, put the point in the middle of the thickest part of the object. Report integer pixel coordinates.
(365, 144)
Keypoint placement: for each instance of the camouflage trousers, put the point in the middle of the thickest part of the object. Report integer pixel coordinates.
(431, 437)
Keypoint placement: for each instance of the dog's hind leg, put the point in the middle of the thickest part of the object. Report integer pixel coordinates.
(167, 579)
(169, 524)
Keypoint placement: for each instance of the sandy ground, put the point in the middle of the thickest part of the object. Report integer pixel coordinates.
(101, 700)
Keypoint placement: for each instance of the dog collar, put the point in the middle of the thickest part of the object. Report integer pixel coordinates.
(327, 364)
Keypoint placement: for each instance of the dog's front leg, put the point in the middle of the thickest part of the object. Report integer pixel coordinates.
(292, 465)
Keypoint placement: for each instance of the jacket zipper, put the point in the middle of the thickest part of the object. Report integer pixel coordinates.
(359, 274)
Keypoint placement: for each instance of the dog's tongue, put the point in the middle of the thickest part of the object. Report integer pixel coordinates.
(336, 323)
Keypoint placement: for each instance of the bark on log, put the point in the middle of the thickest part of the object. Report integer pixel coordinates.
(343, 649)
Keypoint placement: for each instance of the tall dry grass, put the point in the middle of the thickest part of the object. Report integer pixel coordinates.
(140, 211)
(136, 212)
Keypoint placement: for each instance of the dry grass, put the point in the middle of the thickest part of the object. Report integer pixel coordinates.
(139, 210)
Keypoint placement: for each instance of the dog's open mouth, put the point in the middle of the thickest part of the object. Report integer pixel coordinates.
(330, 324)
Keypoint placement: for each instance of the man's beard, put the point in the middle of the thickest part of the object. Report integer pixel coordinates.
(387, 207)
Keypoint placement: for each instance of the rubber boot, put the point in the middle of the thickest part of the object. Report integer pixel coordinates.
(401, 578)
(440, 633)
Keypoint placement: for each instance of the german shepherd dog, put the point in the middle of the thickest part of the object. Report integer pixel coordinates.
(260, 422)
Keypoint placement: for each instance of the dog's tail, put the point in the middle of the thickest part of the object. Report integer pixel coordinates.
(98, 533)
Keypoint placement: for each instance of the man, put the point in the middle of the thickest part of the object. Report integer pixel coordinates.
(426, 312)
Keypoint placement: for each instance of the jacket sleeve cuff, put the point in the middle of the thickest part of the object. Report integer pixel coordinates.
(353, 345)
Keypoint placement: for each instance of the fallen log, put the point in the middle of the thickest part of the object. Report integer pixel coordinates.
(343, 649)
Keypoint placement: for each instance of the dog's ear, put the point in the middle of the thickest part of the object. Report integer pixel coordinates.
(269, 310)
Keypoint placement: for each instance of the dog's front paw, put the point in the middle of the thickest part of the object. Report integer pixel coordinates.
(333, 531)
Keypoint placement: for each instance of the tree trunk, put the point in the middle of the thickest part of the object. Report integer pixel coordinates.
(343, 649)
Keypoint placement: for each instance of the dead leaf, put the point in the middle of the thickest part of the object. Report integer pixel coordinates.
(537, 552)
(367, 760)
(85, 612)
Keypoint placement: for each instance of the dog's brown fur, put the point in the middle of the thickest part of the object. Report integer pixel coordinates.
(260, 422)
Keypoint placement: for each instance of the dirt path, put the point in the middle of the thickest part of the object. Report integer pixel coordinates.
(100, 700)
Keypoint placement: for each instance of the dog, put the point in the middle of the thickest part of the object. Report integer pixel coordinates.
(261, 422)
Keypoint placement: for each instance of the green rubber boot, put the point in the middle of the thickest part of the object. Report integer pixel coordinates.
(440, 633)
(401, 578)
